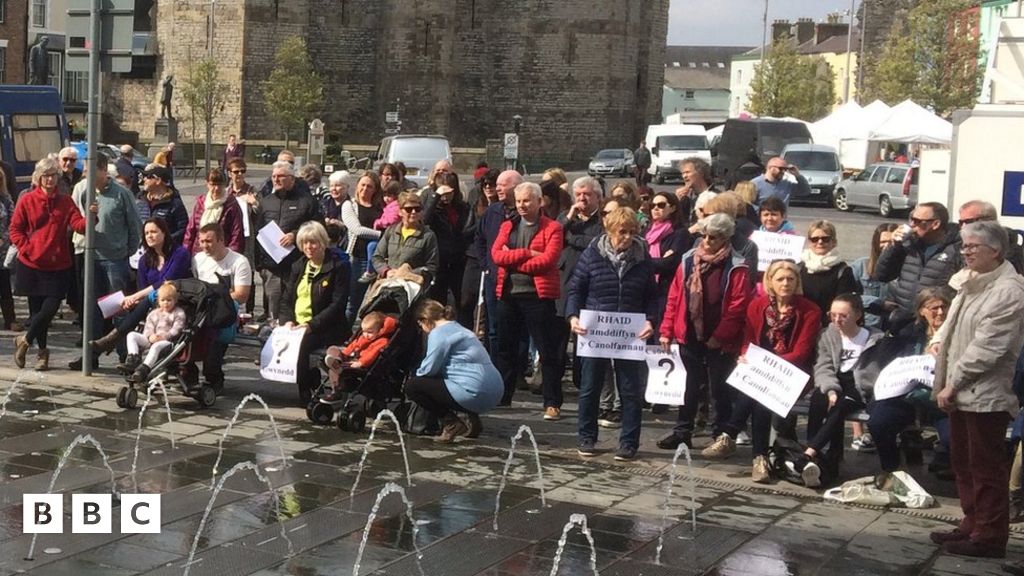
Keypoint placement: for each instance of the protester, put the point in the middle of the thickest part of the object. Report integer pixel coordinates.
(979, 210)
(875, 294)
(773, 217)
(781, 180)
(359, 214)
(248, 201)
(497, 213)
(332, 202)
(233, 150)
(70, 174)
(976, 355)
(409, 246)
(220, 207)
(667, 241)
(456, 374)
(704, 314)
(472, 280)
(823, 273)
(39, 230)
(447, 222)
(614, 274)
(526, 253)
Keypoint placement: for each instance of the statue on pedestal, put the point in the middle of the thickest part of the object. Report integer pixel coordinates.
(165, 97)
(39, 63)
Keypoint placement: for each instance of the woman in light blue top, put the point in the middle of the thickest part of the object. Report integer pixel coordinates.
(456, 374)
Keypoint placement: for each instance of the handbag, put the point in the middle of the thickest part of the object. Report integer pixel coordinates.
(419, 421)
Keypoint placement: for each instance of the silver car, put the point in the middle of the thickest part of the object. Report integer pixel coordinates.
(888, 187)
(612, 162)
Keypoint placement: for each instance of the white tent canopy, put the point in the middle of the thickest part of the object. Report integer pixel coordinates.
(847, 130)
(910, 123)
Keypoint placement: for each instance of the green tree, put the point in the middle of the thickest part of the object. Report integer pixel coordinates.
(294, 92)
(203, 95)
(789, 84)
(932, 59)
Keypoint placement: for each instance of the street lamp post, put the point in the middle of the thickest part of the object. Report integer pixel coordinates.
(849, 47)
(209, 92)
(860, 54)
(764, 30)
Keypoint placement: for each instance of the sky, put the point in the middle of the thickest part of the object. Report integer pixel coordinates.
(737, 22)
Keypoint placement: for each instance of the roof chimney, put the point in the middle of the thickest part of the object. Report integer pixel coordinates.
(781, 29)
(804, 30)
(824, 31)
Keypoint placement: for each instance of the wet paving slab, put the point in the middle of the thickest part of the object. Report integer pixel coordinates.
(305, 523)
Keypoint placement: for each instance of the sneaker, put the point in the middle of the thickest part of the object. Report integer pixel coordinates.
(625, 453)
(552, 413)
(864, 443)
(367, 277)
(722, 447)
(452, 430)
(610, 419)
(811, 475)
(743, 439)
(671, 442)
(586, 448)
(760, 472)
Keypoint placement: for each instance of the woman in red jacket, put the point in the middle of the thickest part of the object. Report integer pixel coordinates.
(786, 324)
(39, 230)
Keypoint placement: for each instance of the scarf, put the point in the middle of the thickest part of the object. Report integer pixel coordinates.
(779, 326)
(702, 264)
(657, 232)
(212, 209)
(815, 263)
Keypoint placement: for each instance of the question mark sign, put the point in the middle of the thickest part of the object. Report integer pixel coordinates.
(671, 367)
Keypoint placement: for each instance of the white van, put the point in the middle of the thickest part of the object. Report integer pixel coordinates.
(670, 143)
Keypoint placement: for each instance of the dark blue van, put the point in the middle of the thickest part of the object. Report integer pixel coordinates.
(32, 125)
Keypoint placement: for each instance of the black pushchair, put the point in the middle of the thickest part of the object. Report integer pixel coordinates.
(378, 386)
(208, 308)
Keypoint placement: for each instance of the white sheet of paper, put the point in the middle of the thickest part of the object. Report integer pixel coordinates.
(772, 246)
(666, 377)
(611, 335)
(903, 375)
(245, 216)
(769, 380)
(270, 239)
(279, 358)
(110, 305)
(133, 260)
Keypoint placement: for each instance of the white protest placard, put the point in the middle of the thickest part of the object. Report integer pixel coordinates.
(666, 377)
(903, 375)
(110, 305)
(269, 238)
(279, 359)
(611, 335)
(769, 380)
(773, 246)
(244, 207)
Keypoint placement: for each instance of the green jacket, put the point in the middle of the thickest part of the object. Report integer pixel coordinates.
(118, 227)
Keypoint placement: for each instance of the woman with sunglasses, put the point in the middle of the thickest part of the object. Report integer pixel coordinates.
(39, 230)
(408, 248)
(471, 276)
(447, 221)
(217, 205)
(823, 273)
(667, 240)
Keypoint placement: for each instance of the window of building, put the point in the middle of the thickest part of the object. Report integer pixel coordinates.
(3, 64)
(76, 87)
(692, 64)
(739, 76)
(39, 13)
(688, 94)
(55, 69)
(3, 10)
(721, 64)
(705, 65)
(35, 136)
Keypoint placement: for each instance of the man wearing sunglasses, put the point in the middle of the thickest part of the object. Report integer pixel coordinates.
(924, 254)
(981, 211)
(781, 180)
(69, 174)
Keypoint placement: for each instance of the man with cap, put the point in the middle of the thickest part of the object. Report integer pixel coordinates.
(158, 200)
(126, 170)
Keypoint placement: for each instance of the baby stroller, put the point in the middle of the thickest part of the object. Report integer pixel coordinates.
(207, 306)
(379, 385)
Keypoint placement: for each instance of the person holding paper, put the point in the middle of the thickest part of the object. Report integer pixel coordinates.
(704, 313)
(822, 272)
(837, 392)
(786, 324)
(614, 274)
(216, 206)
(315, 295)
(976, 351)
(248, 201)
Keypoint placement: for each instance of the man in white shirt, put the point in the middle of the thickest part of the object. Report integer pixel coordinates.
(218, 264)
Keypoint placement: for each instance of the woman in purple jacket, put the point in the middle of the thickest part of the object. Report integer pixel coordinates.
(163, 260)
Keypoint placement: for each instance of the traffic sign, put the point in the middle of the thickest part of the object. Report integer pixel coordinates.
(391, 117)
(511, 145)
(117, 19)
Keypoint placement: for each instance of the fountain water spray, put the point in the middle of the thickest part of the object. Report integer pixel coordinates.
(389, 488)
(685, 450)
(366, 450)
(138, 431)
(508, 463)
(234, 418)
(581, 521)
(80, 439)
(247, 465)
(7, 397)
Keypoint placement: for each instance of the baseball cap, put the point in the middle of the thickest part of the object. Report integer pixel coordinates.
(159, 171)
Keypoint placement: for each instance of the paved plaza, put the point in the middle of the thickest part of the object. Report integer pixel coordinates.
(741, 529)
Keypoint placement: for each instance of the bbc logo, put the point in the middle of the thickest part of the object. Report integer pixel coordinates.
(90, 513)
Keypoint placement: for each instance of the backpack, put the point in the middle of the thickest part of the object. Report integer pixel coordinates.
(212, 298)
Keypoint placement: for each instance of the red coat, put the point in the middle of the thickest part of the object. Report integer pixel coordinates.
(39, 229)
(737, 291)
(543, 268)
(803, 338)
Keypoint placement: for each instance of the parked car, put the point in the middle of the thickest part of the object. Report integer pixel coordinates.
(139, 160)
(612, 162)
(890, 187)
(419, 153)
(747, 141)
(820, 165)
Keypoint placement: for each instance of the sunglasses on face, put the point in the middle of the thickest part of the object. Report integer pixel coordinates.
(918, 222)
(661, 205)
(412, 209)
(967, 221)
(820, 239)
(238, 171)
(69, 159)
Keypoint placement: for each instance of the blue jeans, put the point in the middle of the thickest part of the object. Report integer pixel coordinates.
(108, 276)
(371, 247)
(356, 289)
(630, 376)
(888, 418)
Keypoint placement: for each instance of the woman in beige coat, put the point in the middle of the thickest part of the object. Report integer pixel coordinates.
(976, 351)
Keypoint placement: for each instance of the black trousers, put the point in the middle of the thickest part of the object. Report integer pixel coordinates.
(470, 293)
(6, 298)
(433, 395)
(518, 315)
(705, 369)
(449, 281)
(42, 309)
(826, 426)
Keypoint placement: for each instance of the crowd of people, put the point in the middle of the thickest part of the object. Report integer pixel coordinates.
(535, 256)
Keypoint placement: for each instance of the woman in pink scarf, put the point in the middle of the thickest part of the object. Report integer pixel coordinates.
(667, 240)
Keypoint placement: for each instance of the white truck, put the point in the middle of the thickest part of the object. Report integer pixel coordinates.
(670, 143)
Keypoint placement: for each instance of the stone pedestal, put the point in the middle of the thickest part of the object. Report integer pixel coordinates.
(165, 131)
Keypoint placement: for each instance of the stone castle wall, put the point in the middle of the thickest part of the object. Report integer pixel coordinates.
(583, 74)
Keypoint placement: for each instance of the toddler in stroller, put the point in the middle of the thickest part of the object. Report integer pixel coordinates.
(375, 330)
(163, 324)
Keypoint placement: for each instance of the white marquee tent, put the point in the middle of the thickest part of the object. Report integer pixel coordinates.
(909, 123)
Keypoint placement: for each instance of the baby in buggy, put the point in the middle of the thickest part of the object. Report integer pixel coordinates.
(375, 330)
(163, 324)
